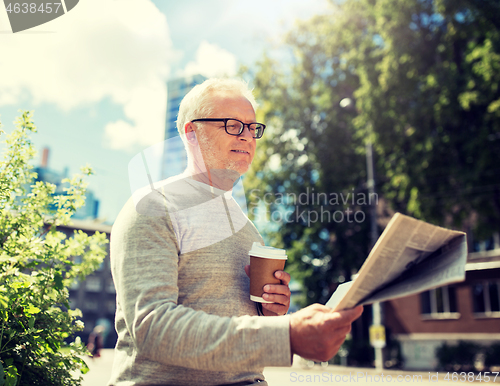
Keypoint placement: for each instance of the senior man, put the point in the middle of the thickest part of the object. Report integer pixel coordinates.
(179, 254)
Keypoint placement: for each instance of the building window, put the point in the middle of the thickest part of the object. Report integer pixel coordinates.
(93, 284)
(439, 303)
(486, 298)
(90, 305)
(487, 245)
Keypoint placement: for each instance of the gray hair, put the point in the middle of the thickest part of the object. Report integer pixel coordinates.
(197, 102)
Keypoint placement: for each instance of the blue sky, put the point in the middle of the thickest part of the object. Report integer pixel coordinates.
(96, 77)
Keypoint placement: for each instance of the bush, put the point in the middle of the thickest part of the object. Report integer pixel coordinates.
(37, 267)
(457, 358)
(361, 353)
(492, 357)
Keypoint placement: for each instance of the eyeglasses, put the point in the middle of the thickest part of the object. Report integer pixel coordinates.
(236, 127)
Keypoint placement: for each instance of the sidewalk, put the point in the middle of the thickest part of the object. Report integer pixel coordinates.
(100, 371)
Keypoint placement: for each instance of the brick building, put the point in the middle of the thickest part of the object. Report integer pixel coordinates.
(96, 295)
(467, 311)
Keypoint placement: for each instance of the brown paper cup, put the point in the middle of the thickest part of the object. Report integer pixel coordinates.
(262, 269)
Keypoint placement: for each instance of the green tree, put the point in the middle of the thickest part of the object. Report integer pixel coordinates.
(423, 76)
(431, 102)
(37, 267)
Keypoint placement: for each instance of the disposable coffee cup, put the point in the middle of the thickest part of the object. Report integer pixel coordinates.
(264, 262)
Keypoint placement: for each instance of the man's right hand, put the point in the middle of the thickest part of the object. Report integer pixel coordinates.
(317, 332)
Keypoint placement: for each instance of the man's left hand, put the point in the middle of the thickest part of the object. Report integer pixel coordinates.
(279, 294)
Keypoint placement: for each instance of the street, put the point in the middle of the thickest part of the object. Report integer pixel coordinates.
(100, 370)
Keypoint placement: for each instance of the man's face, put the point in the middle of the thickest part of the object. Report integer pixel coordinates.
(221, 150)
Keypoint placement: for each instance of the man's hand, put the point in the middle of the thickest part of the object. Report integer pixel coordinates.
(279, 294)
(317, 332)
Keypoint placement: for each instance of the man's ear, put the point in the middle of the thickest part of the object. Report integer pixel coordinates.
(190, 133)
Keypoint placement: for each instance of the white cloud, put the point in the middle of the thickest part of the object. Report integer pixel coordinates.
(212, 61)
(100, 49)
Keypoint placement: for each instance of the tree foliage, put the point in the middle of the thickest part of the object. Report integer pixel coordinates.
(423, 77)
(432, 101)
(37, 267)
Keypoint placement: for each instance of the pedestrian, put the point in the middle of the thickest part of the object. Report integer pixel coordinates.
(95, 341)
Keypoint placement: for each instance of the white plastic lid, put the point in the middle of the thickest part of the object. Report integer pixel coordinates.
(259, 250)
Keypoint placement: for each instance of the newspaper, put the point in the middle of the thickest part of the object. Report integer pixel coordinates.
(411, 256)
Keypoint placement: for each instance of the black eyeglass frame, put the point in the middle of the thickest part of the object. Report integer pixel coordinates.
(232, 119)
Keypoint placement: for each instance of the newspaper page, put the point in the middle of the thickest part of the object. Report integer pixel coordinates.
(410, 256)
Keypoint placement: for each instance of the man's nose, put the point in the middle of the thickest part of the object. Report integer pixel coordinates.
(246, 134)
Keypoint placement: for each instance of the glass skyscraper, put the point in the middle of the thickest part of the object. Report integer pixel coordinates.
(174, 156)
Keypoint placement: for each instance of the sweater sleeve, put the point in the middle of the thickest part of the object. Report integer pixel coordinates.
(144, 259)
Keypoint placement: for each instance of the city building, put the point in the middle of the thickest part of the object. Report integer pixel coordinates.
(90, 210)
(96, 295)
(174, 160)
(464, 312)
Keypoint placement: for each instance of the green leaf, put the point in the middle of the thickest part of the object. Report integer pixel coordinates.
(4, 301)
(20, 284)
(12, 375)
(84, 369)
(31, 309)
(58, 280)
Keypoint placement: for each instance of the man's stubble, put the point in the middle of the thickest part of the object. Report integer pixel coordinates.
(214, 161)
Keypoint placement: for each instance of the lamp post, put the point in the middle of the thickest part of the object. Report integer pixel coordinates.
(377, 331)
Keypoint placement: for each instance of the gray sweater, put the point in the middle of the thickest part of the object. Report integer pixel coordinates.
(183, 315)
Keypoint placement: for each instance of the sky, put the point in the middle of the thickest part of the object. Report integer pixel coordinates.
(96, 76)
